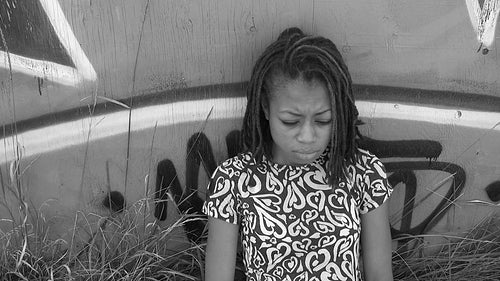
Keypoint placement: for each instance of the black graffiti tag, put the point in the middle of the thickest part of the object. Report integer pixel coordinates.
(199, 153)
(404, 172)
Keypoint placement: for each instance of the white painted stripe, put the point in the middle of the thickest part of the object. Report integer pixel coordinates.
(463, 118)
(72, 133)
(64, 135)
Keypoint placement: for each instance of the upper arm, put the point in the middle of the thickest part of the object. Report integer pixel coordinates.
(221, 250)
(376, 244)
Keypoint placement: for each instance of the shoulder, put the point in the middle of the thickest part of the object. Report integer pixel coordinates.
(235, 165)
(366, 159)
(372, 181)
(365, 156)
(241, 161)
(367, 164)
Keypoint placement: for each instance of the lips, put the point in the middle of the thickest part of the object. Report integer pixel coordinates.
(307, 152)
(307, 155)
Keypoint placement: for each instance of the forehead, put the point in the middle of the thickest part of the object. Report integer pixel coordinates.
(299, 94)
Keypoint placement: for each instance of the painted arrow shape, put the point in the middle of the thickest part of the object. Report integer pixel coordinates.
(484, 19)
(71, 75)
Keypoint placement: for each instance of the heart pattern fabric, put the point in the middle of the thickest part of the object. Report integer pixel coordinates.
(294, 225)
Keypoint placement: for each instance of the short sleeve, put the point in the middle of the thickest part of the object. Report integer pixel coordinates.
(221, 201)
(376, 187)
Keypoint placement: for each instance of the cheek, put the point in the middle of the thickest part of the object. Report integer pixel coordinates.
(327, 130)
(279, 130)
(282, 135)
(325, 134)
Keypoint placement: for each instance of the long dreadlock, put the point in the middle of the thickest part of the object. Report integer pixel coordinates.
(296, 54)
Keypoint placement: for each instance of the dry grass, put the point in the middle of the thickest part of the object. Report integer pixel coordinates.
(472, 257)
(121, 249)
(125, 247)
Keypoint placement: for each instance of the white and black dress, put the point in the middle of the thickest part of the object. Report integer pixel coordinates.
(294, 225)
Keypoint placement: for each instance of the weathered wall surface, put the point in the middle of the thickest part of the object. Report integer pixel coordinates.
(105, 103)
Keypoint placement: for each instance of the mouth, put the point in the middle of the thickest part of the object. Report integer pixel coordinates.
(307, 152)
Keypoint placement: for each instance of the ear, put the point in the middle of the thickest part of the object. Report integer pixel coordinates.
(265, 107)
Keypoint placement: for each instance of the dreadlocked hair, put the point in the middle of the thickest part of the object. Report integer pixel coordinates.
(295, 54)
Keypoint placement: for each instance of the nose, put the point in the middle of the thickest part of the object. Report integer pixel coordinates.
(307, 133)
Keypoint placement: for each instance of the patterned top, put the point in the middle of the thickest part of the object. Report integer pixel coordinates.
(294, 225)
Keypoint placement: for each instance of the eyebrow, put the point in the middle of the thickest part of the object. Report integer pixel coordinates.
(297, 114)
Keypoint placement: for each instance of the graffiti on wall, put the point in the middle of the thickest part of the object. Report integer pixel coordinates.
(401, 172)
(36, 39)
(405, 159)
(200, 152)
(373, 102)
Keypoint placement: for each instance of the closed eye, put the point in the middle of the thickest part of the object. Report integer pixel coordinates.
(324, 122)
(289, 123)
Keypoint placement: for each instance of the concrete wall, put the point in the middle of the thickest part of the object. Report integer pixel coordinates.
(102, 102)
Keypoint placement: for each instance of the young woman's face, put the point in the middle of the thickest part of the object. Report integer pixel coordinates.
(300, 120)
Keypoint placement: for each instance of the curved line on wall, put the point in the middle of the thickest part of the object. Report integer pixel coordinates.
(76, 132)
